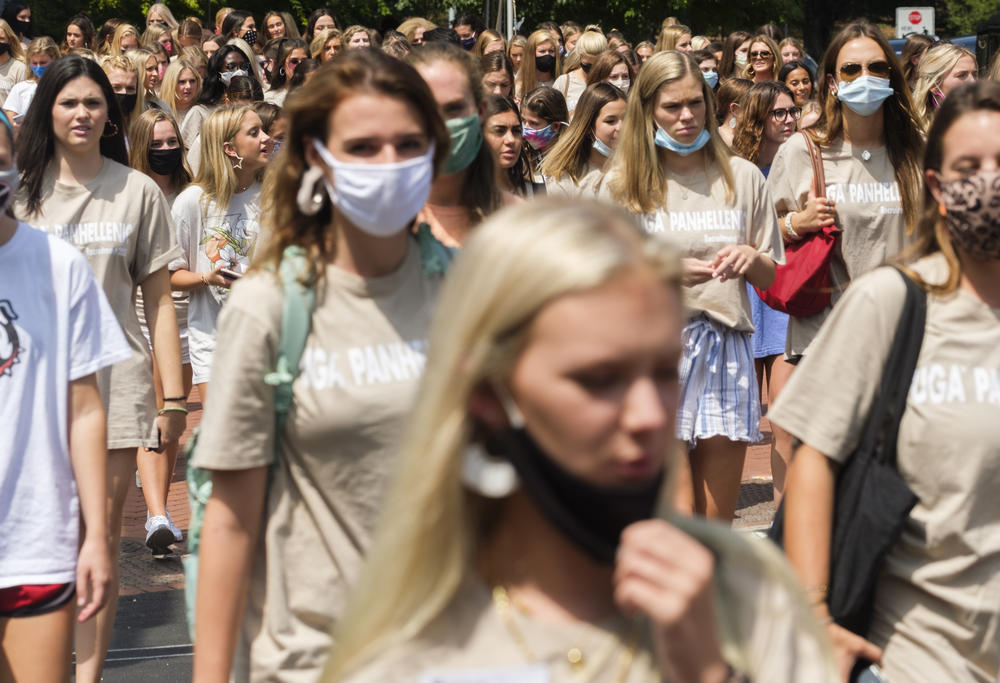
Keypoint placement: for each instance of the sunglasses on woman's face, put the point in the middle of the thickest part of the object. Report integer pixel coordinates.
(761, 54)
(850, 70)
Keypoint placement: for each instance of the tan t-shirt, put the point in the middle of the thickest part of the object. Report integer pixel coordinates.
(699, 221)
(120, 220)
(11, 73)
(937, 608)
(359, 373)
(869, 213)
(471, 642)
(588, 186)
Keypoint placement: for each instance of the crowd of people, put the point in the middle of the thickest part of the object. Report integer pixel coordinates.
(487, 328)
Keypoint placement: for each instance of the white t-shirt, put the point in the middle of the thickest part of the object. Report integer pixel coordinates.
(20, 97)
(13, 71)
(56, 326)
(208, 236)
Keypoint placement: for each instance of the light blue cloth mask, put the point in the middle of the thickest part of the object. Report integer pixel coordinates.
(664, 140)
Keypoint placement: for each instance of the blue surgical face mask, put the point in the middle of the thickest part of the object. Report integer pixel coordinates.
(865, 94)
(39, 69)
(664, 140)
(602, 148)
(711, 77)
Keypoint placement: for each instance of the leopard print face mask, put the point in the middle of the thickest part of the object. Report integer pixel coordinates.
(973, 213)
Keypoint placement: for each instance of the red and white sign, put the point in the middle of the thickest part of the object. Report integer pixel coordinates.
(914, 20)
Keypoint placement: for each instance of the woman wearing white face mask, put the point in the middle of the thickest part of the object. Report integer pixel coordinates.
(674, 171)
(363, 144)
(577, 161)
(872, 175)
(611, 67)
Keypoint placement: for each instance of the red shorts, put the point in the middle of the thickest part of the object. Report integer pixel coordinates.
(32, 600)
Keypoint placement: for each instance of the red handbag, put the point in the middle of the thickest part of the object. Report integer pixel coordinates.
(802, 286)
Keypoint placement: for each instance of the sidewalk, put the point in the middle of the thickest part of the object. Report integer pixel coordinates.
(141, 574)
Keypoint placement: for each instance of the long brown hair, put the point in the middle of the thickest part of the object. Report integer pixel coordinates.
(308, 113)
(638, 180)
(901, 124)
(755, 107)
(571, 152)
(140, 139)
(930, 229)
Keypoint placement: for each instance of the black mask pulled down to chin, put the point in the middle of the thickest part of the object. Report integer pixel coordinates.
(592, 517)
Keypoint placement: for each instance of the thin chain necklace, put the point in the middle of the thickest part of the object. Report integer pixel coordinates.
(574, 656)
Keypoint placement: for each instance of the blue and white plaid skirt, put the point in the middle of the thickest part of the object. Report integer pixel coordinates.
(719, 393)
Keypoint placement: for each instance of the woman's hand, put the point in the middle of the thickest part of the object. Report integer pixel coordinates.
(666, 575)
(93, 576)
(217, 279)
(733, 261)
(817, 214)
(171, 425)
(848, 647)
(697, 271)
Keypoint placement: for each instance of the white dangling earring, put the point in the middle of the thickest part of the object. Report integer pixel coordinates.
(238, 164)
(487, 475)
(732, 122)
(310, 194)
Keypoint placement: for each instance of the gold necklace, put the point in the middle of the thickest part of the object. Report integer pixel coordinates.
(574, 655)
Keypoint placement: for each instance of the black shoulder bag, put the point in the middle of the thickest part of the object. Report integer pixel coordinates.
(872, 502)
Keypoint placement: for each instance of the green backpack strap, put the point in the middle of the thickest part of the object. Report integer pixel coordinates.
(296, 320)
(298, 304)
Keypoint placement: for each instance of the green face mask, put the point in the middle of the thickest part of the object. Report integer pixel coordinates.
(466, 139)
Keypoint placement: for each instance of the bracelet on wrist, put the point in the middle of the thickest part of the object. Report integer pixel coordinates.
(172, 409)
(789, 230)
(182, 399)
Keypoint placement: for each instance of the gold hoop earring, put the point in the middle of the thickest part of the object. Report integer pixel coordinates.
(112, 132)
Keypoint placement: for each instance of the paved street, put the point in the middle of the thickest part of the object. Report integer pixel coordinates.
(151, 642)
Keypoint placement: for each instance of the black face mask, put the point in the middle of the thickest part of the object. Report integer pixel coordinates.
(545, 63)
(250, 36)
(4, 48)
(22, 27)
(468, 43)
(585, 67)
(126, 102)
(164, 161)
(592, 517)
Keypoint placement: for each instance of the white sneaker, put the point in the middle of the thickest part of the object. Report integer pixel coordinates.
(174, 528)
(159, 536)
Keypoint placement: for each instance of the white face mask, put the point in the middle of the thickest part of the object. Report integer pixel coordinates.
(228, 76)
(379, 199)
(624, 83)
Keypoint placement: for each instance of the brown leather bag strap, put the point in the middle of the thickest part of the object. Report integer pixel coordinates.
(816, 156)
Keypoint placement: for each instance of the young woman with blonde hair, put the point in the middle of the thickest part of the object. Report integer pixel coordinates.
(674, 37)
(763, 60)
(158, 35)
(792, 50)
(489, 41)
(180, 88)
(870, 139)
(39, 55)
(279, 550)
(75, 183)
(126, 80)
(356, 37)
(574, 80)
(414, 28)
(515, 50)
(149, 74)
(155, 149)
(520, 538)
(160, 15)
(932, 617)
(722, 217)
(126, 37)
(217, 224)
(327, 44)
(943, 68)
(540, 65)
(13, 63)
(576, 162)
(465, 192)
